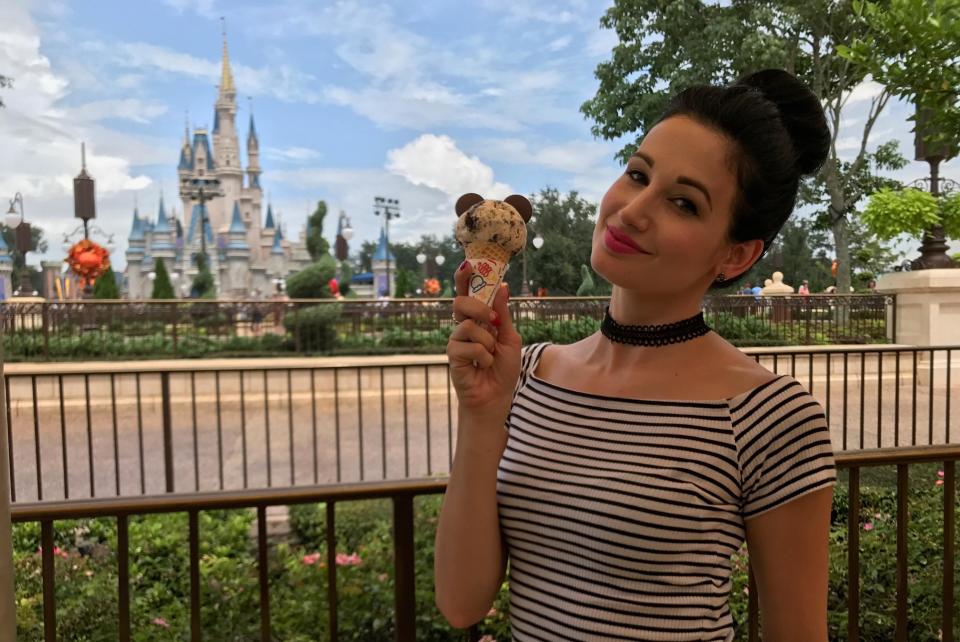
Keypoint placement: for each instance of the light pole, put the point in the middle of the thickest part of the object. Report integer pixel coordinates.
(21, 230)
(341, 249)
(537, 243)
(202, 190)
(389, 208)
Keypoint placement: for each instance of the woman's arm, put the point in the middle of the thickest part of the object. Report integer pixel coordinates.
(469, 557)
(789, 556)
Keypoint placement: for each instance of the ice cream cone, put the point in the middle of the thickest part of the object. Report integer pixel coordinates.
(489, 262)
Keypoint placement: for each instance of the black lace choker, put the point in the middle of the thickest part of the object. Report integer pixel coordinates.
(654, 335)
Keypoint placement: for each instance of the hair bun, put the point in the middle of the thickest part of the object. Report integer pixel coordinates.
(801, 113)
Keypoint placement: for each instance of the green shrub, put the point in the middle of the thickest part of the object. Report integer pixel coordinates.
(314, 327)
(313, 281)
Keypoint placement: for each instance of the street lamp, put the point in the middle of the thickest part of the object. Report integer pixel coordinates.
(537, 243)
(202, 190)
(389, 208)
(341, 249)
(22, 240)
(933, 249)
(439, 259)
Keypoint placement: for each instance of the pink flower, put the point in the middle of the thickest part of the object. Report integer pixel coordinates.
(383, 577)
(877, 515)
(348, 560)
(868, 526)
(488, 638)
(311, 559)
(939, 482)
(746, 590)
(159, 621)
(491, 612)
(939, 473)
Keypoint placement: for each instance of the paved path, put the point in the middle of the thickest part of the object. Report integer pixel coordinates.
(351, 424)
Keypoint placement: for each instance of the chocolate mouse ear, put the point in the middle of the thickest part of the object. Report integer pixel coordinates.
(522, 205)
(465, 202)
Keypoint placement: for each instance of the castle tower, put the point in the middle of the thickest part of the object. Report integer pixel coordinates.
(162, 240)
(135, 254)
(226, 146)
(238, 257)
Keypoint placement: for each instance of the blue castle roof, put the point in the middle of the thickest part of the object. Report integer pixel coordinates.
(381, 252)
(163, 225)
(195, 225)
(252, 134)
(136, 231)
(201, 138)
(236, 223)
(269, 223)
(186, 158)
(277, 248)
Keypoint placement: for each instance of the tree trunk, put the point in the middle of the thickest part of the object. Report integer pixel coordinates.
(841, 243)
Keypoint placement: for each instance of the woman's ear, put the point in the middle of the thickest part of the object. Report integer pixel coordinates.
(741, 258)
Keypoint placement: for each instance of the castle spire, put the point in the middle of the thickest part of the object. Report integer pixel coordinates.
(226, 76)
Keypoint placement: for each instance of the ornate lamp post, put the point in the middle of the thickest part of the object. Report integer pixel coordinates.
(202, 190)
(933, 250)
(22, 241)
(85, 208)
(341, 249)
(389, 208)
(439, 259)
(537, 243)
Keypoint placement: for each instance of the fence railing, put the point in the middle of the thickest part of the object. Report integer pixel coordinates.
(67, 330)
(93, 430)
(402, 494)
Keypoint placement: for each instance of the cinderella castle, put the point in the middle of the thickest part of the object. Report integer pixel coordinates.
(247, 254)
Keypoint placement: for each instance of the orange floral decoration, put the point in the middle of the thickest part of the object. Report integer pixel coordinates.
(431, 287)
(88, 260)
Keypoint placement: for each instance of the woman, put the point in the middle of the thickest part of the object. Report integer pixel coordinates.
(636, 462)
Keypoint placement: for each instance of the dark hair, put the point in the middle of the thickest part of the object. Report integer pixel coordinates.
(779, 133)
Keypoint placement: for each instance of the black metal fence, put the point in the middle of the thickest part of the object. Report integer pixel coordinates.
(404, 573)
(145, 429)
(70, 330)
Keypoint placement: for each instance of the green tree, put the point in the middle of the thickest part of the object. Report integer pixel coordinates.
(346, 274)
(37, 244)
(404, 283)
(317, 246)
(587, 287)
(106, 286)
(565, 222)
(911, 47)
(892, 213)
(203, 286)
(367, 250)
(313, 282)
(162, 288)
(666, 45)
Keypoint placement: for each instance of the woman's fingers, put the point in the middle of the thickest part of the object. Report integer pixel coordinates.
(468, 330)
(461, 278)
(464, 353)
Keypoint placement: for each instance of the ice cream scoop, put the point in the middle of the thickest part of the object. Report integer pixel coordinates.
(491, 233)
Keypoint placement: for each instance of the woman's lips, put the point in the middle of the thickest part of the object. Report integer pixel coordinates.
(621, 243)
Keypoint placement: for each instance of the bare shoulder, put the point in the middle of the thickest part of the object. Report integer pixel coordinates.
(730, 361)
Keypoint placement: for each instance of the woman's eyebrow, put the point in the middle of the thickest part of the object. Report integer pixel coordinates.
(683, 180)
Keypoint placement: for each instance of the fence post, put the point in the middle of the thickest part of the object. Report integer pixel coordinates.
(173, 307)
(405, 586)
(8, 609)
(46, 330)
(167, 430)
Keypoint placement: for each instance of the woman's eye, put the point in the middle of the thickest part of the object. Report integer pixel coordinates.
(636, 175)
(684, 204)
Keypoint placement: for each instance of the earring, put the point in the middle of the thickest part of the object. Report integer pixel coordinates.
(720, 278)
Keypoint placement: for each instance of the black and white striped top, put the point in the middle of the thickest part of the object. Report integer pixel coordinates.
(620, 516)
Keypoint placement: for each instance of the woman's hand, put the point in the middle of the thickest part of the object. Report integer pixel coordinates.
(484, 352)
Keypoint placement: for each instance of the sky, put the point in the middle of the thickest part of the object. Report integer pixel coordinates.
(417, 101)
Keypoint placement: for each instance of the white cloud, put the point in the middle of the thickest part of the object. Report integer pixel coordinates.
(435, 161)
(291, 154)
(866, 90)
(204, 8)
(559, 43)
(132, 109)
(40, 154)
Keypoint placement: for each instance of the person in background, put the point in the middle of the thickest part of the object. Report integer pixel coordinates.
(804, 287)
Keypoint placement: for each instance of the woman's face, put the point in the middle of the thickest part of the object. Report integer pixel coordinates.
(662, 226)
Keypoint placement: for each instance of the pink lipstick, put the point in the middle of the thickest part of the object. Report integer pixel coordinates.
(620, 243)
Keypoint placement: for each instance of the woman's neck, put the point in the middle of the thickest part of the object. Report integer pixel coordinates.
(631, 308)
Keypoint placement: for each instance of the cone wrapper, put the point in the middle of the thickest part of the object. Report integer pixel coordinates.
(489, 262)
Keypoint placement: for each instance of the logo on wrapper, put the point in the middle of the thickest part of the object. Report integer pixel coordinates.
(486, 277)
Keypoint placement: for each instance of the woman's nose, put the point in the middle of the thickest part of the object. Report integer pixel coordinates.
(636, 212)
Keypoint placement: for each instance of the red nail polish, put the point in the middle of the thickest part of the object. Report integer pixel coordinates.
(495, 319)
(463, 266)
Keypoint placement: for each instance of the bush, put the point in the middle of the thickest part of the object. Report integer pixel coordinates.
(313, 282)
(106, 286)
(85, 568)
(315, 327)
(162, 288)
